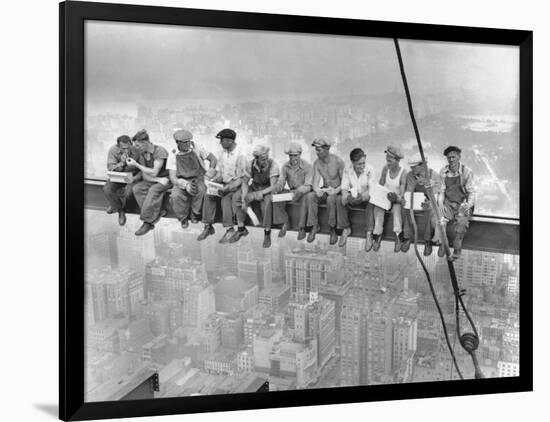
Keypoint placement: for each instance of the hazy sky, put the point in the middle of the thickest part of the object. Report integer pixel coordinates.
(137, 62)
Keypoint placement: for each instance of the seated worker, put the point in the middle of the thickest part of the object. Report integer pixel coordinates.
(263, 174)
(118, 193)
(457, 198)
(229, 172)
(149, 192)
(187, 171)
(297, 174)
(393, 177)
(418, 182)
(355, 193)
(328, 171)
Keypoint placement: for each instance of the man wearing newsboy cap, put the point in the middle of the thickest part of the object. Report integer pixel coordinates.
(297, 174)
(187, 172)
(457, 198)
(328, 171)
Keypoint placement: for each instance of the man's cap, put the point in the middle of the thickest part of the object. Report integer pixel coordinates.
(226, 133)
(415, 161)
(394, 152)
(182, 135)
(451, 148)
(293, 148)
(260, 149)
(142, 135)
(125, 139)
(321, 142)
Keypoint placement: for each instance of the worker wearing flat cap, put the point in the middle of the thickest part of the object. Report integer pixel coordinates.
(296, 178)
(258, 182)
(229, 172)
(393, 177)
(118, 193)
(328, 170)
(457, 197)
(188, 170)
(149, 192)
(418, 182)
(356, 182)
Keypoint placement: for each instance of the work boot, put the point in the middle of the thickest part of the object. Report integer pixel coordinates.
(121, 218)
(377, 242)
(368, 242)
(397, 246)
(405, 245)
(427, 248)
(333, 236)
(145, 228)
(194, 219)
(184, 223)
(207, 231)
(267, 239)
(441, 251)
(301, 233)
(282, 232)
(228, 235)
(344, 238)
(312, 233)
(241, 232)
(110, 210)
(162, 213)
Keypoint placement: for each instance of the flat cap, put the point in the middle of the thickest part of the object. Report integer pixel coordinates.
(125, 139)
(293, 148)
(321, 142)
(451, 148)
(394, 152)
(260, 149)
(415, 161)
(182, 135)
(142, 135)
(226, 133)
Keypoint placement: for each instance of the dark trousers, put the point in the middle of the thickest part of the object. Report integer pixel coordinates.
(429, 230)
(266, 205)
(209, 209)
(149, 196)
(117, 194)
(280, 216)
(369, 213)
(337, 213)
(182, 201)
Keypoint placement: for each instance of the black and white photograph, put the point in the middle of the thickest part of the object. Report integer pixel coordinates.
(253, 199)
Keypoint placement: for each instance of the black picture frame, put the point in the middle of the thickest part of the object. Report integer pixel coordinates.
(72, 16)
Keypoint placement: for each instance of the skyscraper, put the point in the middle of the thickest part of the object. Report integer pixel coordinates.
(404, 332)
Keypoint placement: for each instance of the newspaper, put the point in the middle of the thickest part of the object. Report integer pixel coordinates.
(379, 196)
(283, 197)
(119, 176)
(212, 188)
(418, 199)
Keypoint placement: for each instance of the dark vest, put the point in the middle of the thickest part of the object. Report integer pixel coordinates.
(188, 166)
(260, 178)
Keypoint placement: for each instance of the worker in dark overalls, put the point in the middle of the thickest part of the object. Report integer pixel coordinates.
(118, 193)
(187, 171)
(457, 198)
(149, 192)
(264, 174)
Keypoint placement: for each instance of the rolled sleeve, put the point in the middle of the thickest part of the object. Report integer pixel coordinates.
(274, 171)
(112, 159)
(346, 182)
(308, 172)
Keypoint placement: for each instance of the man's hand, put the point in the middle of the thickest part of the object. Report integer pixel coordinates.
(331, 191)
(392, 197)
(319, 193)
(210, 174)
(162, 180)
(131, 162)
(364, 196)
(464, 209)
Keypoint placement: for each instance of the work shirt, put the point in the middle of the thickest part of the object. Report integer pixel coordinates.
(466, 181)
(361, 183)
(231, 165)
(117, 155)
(152, 154)
(330, 171)
(261, 177)
(200, 152)
(300, 175)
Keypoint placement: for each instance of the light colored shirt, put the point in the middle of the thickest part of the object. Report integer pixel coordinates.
(361, 183)
(301, 175)
(273, 168)
(202, 155)
(466, 181)
(231, 165)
